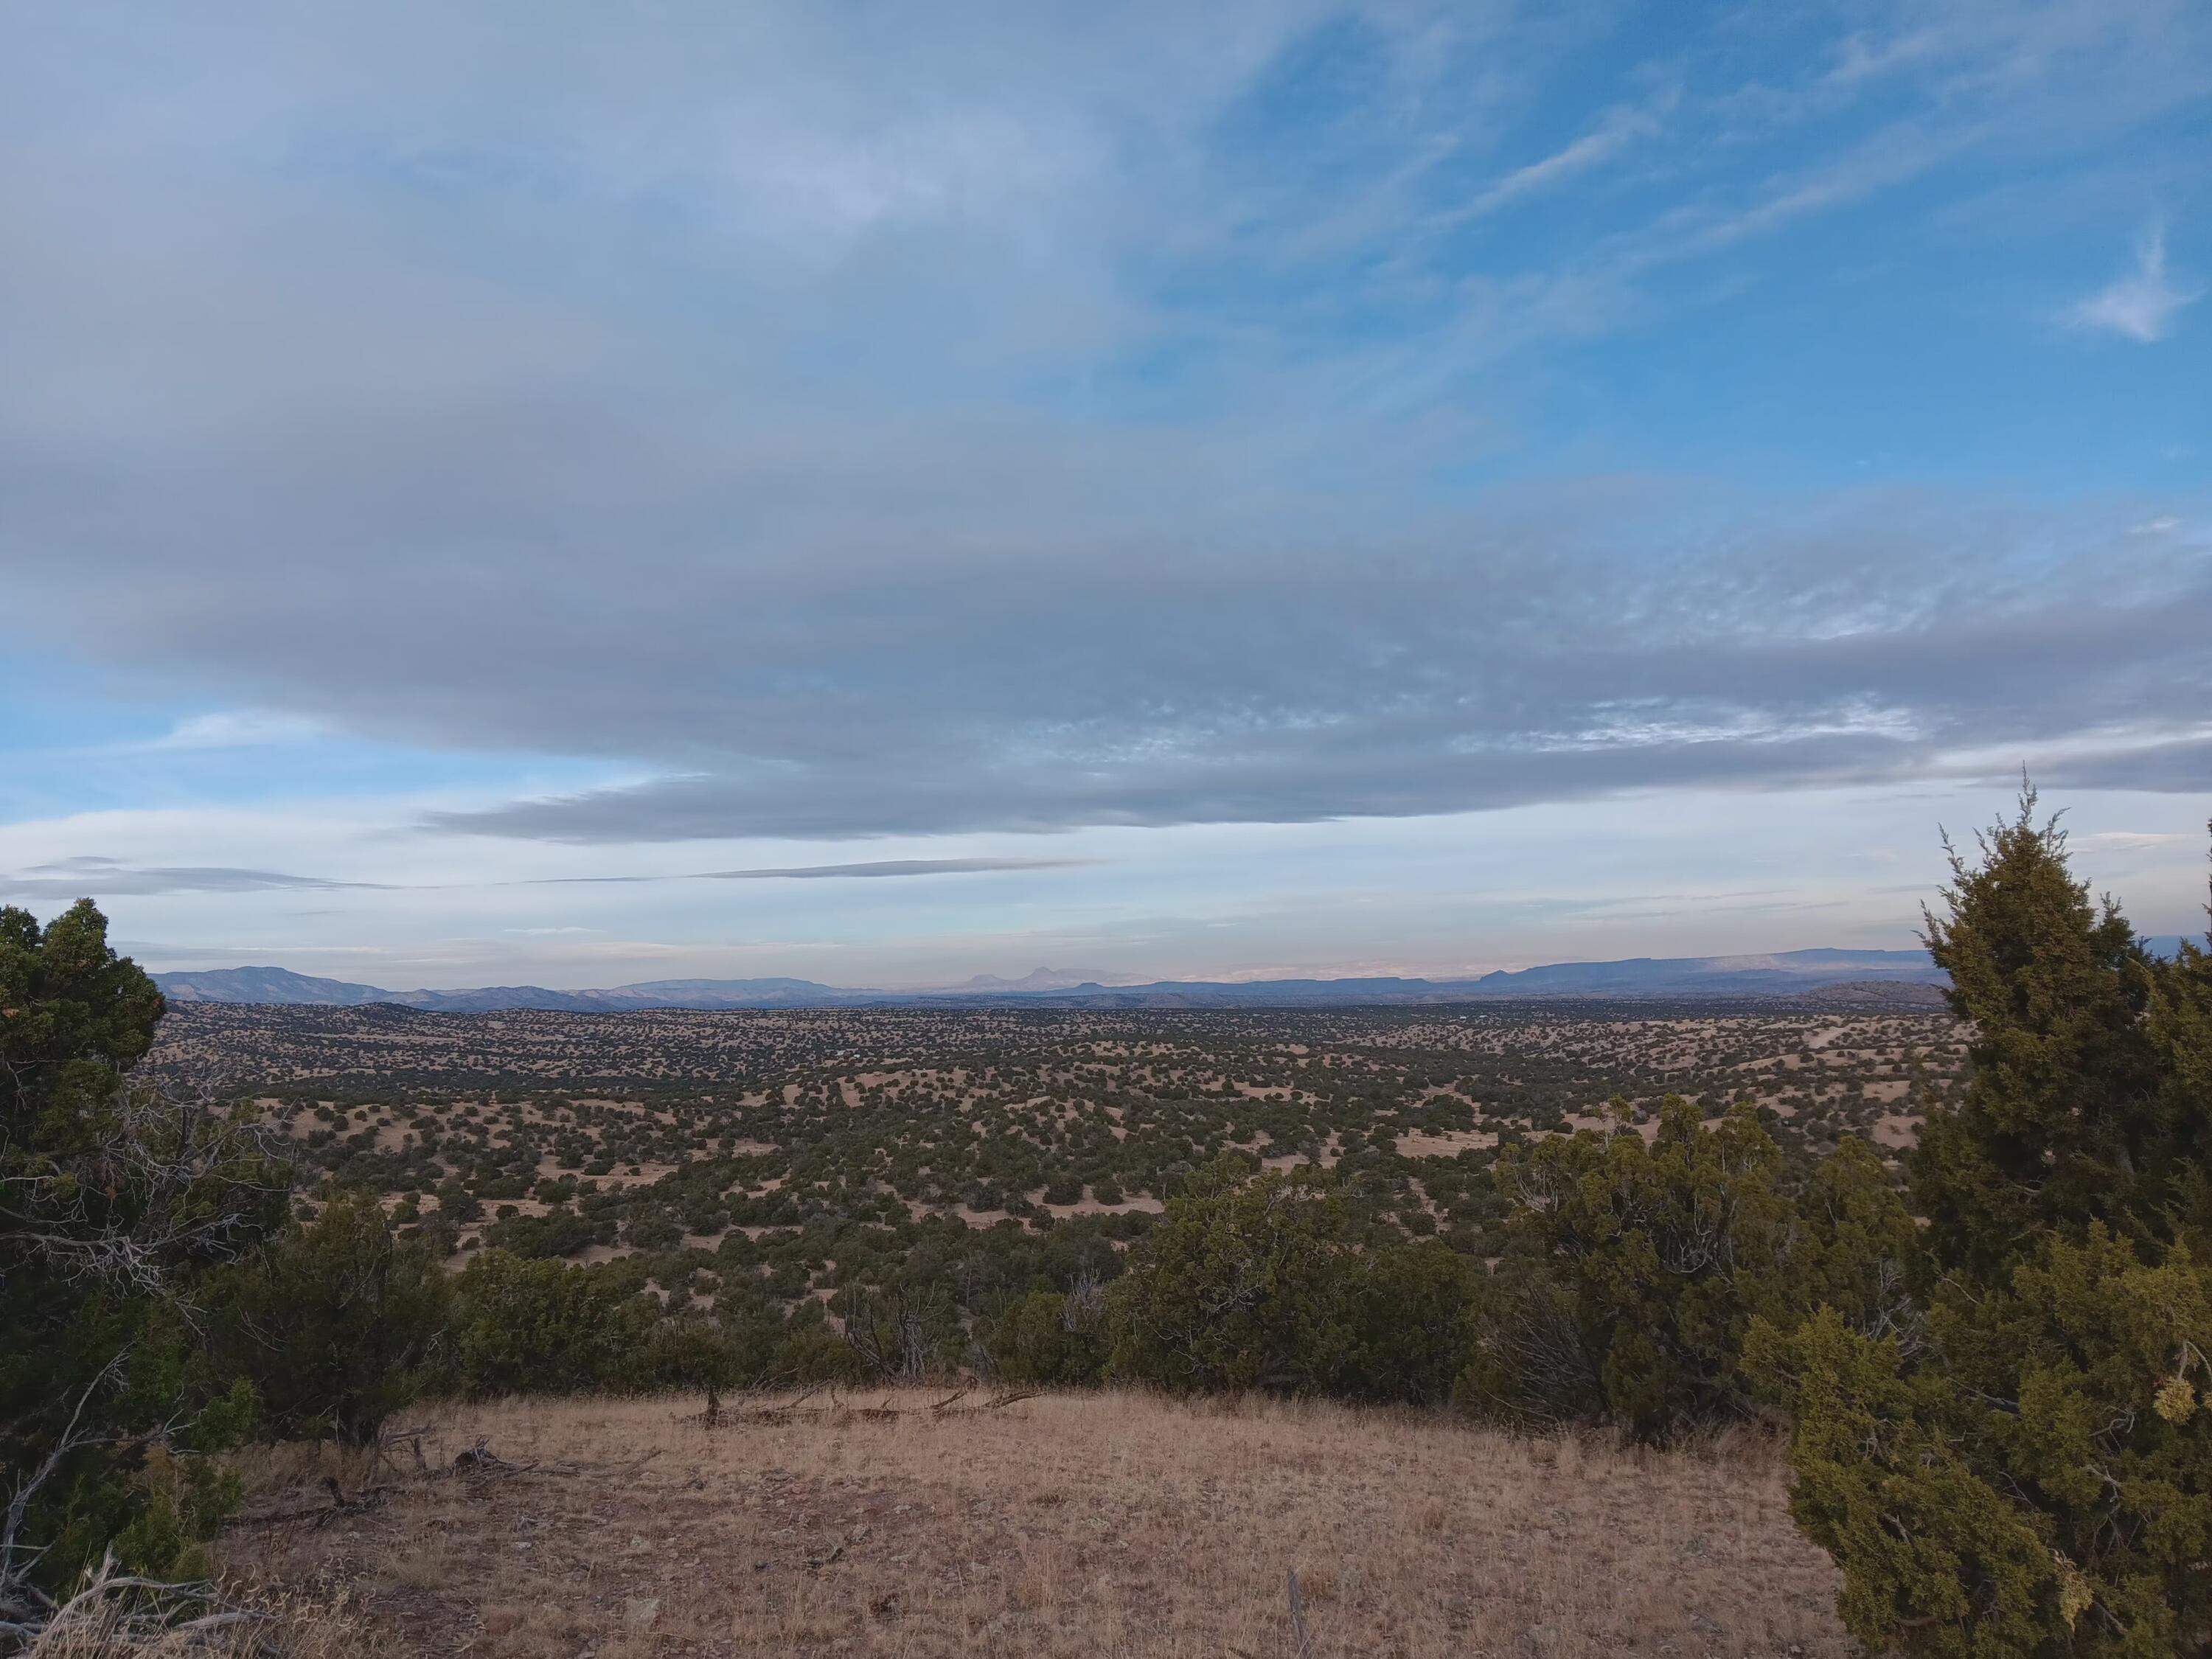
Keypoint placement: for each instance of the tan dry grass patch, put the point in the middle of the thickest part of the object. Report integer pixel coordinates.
(1071, 1524)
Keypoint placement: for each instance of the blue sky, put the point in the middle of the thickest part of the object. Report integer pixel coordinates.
(1287, 489)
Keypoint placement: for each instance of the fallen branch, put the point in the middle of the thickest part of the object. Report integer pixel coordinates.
(380, 1454)
(122, 1612)
(837, 1409)
(480, 1459)
(363, 1500)
(1298, 1618)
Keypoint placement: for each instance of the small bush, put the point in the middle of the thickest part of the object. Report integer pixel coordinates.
(336, 1323)
(1050, 1339)
(542, 1328)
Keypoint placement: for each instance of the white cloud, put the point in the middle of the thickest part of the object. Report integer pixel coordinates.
(2141, 305)
(1618, 130)
(246, 729)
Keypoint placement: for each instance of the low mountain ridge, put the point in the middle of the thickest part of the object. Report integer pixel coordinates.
(277, 984)
(1789, 972)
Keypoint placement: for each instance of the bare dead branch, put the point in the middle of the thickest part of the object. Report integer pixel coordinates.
(1298, 1631)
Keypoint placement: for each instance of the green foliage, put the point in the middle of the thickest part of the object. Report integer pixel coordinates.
(2030, 1470)
(1852, 1247)
(2042, 1488)
(1242, 1285)
(1261, 1281)
(337, 1323)
(1634, 1270)
(118, 1203)
(2180, 1022)
(735, 1348)
(182, 1502)
(811, 1352)
(1935, 1561)
(521, 1327)
(1631, 1273)
(2063, 1121)
(74, 1017)
(560, 1231)
(1411, 1303)
(1049, 1340)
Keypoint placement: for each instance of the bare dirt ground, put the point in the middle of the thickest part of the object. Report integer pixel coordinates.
(1112, 1525)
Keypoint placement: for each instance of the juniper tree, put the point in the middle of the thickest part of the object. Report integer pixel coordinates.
(337, 1324)
(1242, 1285)
(1632, 1270)
(2032, 1472)
(1271, 1281)
(2064, 1120)
(115, 1201)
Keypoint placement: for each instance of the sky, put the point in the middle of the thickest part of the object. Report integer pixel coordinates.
(571, 494)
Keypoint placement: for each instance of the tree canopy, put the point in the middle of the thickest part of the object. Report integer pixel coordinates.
(2029, 1470)
(115, 1203)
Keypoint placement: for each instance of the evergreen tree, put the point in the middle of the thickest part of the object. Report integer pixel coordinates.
(336, 1323)
(2030, 1471)
(1242, 1285)
(1272, 1280)
(1633, 1271)
(522, 1327)
(2063, 1121)
(1050, 1339)
(115, 1203)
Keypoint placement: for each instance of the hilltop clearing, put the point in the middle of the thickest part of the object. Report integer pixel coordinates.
(1109, 1523)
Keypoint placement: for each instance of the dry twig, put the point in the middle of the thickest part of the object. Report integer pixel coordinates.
(1298, 1618)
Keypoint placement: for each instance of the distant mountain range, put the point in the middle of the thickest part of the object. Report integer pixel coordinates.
(1789, 973)
(282, 986)
(1044, 979)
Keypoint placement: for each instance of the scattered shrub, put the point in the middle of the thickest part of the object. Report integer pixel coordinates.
(523, 1327)
(336, 1323)
(1049, 1340)
(1242, 1285)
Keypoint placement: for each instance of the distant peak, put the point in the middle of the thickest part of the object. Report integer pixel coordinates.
(1043, 979)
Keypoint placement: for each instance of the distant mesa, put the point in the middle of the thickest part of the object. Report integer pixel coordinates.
(1835, 977)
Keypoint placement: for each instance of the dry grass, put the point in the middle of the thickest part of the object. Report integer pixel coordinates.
(258, 1627)
(1109, 1524)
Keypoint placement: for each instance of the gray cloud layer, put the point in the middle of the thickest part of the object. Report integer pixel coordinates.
(107, 878)
(877, 869)
(772, 506)
(1012, 646)
(883, 867)
(1528, 665)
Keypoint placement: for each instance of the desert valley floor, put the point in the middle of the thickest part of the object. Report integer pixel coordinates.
(589, 1135)
(827, 1165)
